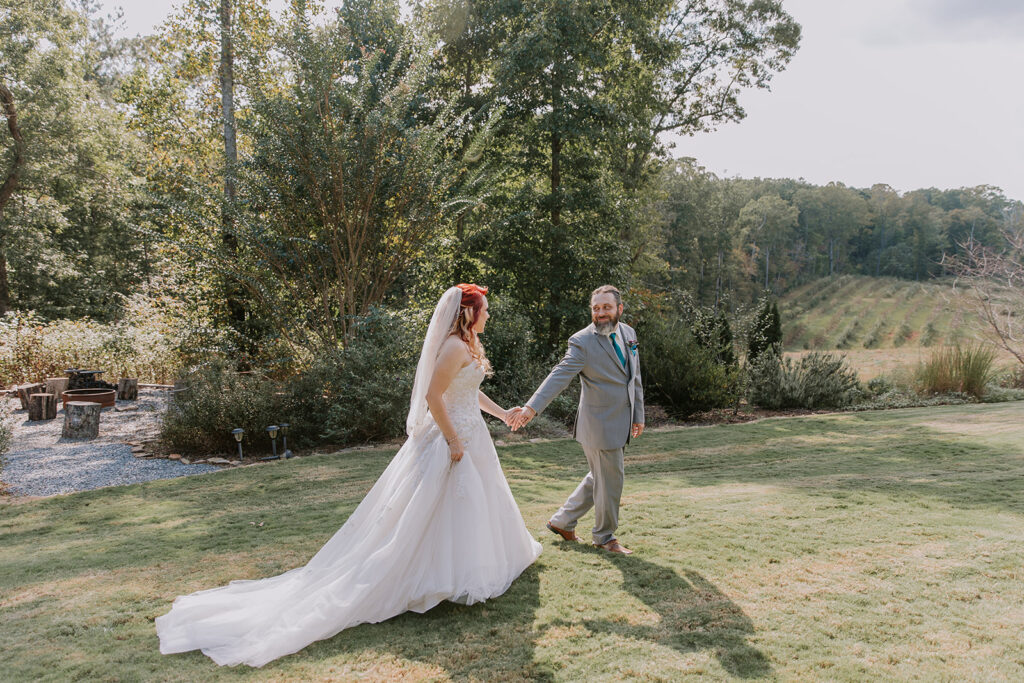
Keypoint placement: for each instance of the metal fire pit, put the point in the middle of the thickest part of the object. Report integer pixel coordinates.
(105, 397)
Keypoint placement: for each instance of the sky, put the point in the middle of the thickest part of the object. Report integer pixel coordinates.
(911, 93)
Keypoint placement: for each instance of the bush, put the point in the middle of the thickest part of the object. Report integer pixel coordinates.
(146, 343)
(367, 385)
(6, 427)
(957, 369)
(816, 380)
(215, 399)
(345, 396)
(765, 331)
(681, 375)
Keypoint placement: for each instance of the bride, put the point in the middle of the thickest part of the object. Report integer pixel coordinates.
(439, 524)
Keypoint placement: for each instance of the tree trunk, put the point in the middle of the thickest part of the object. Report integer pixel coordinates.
(236, 310)
(81, 420)
(831, 262)
(554, 319)
(42, 407)
(127, 389)
(767, 259)
(718, 281)
(10, 184)
(56, 386)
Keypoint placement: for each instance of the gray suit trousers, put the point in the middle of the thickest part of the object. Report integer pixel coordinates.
(601, 489)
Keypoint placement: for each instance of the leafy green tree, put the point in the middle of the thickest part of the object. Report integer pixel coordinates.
(350, 178)
(765, 332)
(68, 196)
(770, 220)
(587, 88)
(191, 87)
(833, 214)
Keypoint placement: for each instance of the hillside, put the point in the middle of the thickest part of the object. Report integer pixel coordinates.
(860, 312)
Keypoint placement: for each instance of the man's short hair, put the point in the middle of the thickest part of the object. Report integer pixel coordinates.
(608, 289)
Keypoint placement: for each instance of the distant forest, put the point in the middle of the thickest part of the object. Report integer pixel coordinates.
(739, 237)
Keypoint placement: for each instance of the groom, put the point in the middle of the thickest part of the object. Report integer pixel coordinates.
(611, 411)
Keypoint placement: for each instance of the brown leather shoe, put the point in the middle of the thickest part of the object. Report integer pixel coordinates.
(613, 546)
(567, 535)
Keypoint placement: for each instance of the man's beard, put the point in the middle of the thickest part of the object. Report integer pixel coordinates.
(606, 327)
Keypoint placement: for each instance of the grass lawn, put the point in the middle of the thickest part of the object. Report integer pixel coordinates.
(863, 545)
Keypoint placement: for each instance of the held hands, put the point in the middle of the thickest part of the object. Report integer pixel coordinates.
(519, 417)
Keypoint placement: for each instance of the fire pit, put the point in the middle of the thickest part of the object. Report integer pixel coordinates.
(105, 397)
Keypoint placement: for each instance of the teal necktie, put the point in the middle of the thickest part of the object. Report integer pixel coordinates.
(618, 351)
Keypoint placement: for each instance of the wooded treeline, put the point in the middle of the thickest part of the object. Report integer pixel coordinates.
(284, 176)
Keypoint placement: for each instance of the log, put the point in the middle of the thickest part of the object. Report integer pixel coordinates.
(56, 386)
(26, 390)
(127, 389)
(81, 420)
(42, 407)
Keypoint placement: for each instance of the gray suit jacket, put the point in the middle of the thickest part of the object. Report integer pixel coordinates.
(611, 397)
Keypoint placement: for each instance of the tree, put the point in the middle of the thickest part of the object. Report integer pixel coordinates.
(69, 192)
(189, 89)
(770, 220)
(766, 331)
(587, 88)
(350, 177)
(832, 215)
(992, 277)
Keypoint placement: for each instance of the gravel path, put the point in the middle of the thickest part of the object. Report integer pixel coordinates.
(43, 463)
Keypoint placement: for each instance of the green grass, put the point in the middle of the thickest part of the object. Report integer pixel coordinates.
(877, 545)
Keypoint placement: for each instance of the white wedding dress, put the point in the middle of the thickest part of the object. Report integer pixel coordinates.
(427, 531)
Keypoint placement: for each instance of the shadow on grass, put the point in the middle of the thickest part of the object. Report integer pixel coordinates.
(694, 615)
(493, 640)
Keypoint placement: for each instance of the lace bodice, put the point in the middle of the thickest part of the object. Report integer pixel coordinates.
(461, 399)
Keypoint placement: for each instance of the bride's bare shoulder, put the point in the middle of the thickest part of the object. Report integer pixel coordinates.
(455, 349)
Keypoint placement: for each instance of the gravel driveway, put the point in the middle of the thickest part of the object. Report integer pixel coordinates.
(42, 463)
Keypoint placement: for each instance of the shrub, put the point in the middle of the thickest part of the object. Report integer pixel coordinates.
(957, 369)
(6, 427)
(681, 375)
(146, 343)
(712, 331)
(874, 336)
(213, 400)
(344, 396)
(902, 335)
(816, 380)
(765, 331)
(367, 385)
(930, 335)
(848, 334)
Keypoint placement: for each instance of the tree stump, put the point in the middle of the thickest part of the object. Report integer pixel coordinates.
(127, 389)
(81, 420)
(56, 386)
(42, 407)
(26, 390)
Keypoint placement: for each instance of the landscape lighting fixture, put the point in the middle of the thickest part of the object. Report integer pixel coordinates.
(272, 431)
(284, 440)
(237, 433)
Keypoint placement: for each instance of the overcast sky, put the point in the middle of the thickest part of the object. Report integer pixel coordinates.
(913, 93)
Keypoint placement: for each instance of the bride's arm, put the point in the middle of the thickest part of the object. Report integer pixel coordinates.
(492, 408)
(453, 356)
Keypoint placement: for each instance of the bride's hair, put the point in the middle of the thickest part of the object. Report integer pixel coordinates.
(469, 309)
